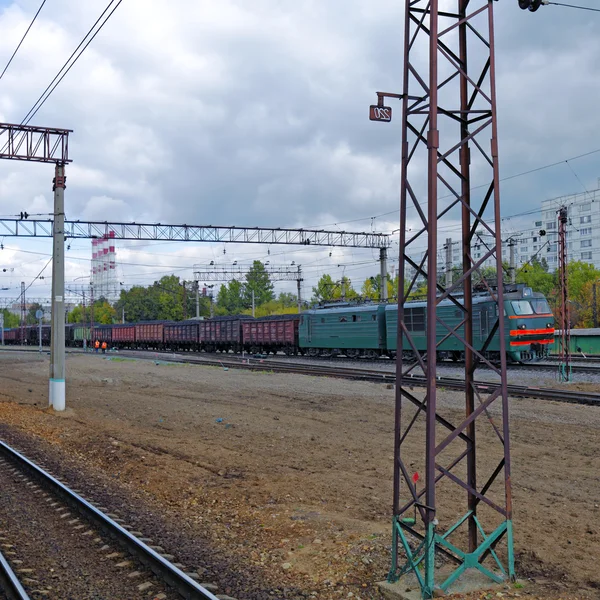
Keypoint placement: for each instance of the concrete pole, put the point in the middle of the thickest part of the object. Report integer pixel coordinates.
(40, 330)
(594, 305)
(448, 262)
(512, 266)
(343, 288)
(2, 327)
(383, 293)
(197, 300)
(253, 303)
(298, 283)
(57, 397)
(123, 319)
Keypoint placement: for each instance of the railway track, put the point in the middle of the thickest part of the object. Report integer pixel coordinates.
(379, 376)
(361, 374)
(31, 479)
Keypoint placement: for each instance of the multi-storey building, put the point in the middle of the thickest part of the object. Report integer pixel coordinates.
(583, 231)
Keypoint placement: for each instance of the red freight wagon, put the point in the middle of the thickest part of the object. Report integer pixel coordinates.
(271, 335)
(181, 336)
(102, 333)
(123, 336)
(220, 334)
(12, 336)
(149, 335)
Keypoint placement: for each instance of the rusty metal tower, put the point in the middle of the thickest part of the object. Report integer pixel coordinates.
(452, 506)
(564, 367)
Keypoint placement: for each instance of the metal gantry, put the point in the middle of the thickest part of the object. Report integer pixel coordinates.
(449, 127)
(276, 273)
(47, 145)
(196, 233)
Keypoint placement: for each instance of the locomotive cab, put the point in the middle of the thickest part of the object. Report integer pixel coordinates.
(529, 324)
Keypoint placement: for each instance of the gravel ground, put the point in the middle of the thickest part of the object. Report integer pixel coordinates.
(279, 485)
(56, 555)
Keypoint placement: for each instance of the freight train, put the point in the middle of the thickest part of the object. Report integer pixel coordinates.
(354, 330)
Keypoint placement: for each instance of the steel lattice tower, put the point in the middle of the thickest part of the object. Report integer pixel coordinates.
(461, 517)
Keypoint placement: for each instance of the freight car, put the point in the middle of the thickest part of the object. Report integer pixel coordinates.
(271, 335)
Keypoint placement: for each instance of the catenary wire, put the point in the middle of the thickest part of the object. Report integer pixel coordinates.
(41, 100)
(574, 6)
(22, 39)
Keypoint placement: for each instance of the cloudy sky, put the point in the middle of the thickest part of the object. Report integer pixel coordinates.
(255, 113)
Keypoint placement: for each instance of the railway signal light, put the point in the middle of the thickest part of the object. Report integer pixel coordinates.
(531, 5)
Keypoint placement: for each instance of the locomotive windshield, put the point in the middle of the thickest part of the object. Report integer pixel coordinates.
(522, 307)
(540, 306)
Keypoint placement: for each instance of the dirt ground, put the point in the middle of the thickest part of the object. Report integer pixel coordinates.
(290, 475)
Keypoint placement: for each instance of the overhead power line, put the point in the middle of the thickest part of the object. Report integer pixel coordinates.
(24, 36)
(67, 67)
(574, 6)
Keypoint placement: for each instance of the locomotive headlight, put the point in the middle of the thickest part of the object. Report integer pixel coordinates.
(523, 326)
(548, 325)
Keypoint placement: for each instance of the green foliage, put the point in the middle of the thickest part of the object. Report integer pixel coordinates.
(535, 275)
(259, 282)
(327, 289)
(371, 288)
(31, 319)
(103, 314)
(10, 320)
(230, 299)
(164, 300)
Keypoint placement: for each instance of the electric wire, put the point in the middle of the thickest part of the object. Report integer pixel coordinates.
(52, 85)
(22, 39)
(574, 6)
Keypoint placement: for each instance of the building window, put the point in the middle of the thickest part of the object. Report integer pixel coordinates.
(538, 223)
(524, 249)
(585, 231)
(586, 243)
(535, 239)
(586, 256)
(535, 248)
(585, 207)
(551, 225)
(586, 219)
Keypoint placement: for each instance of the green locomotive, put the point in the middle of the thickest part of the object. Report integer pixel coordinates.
(370, 330)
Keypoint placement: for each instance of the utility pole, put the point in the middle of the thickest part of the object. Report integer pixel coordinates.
(92, 315)
(57, 395)
(343, 288)
(2, 326)
(383, 293)
(594, 305)
(197, 285)
(564, 367)
(184, 301)
(299, 287)
(23, 313)
(512, 266)
(448, 248)
(253, 303)
(84, 321)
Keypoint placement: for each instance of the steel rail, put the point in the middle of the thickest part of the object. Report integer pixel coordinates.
(9, 582)
(161, 567)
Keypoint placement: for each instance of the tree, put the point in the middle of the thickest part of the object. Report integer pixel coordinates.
(371, 288)
(230, 300)
(31, 319)
(259, 283)
(535, 276)
(327, 289)
(10, 320)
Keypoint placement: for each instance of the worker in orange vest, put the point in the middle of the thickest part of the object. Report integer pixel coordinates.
(97, 345)
(104, 346)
